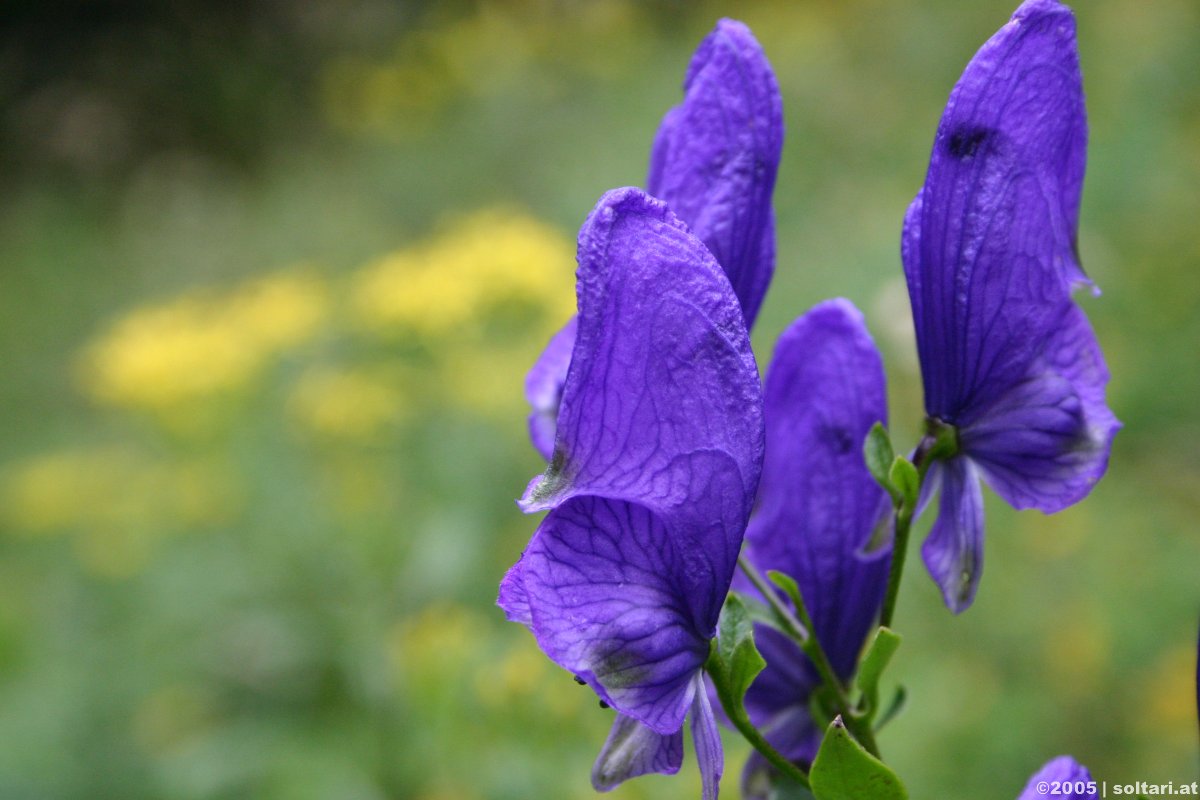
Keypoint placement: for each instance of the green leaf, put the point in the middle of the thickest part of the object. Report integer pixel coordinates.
(870, 670)
(789, 586)
(843, 770)
(760, 613)
(879, 456)
(822, 706)
(906, 480)
(894, 708)
(735, 660)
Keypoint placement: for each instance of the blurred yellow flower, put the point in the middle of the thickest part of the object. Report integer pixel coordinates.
(437, 641)
(497, 47)
(117, 503)
(1166, 698)
(473, 268)
(202, 344)
(346, 403)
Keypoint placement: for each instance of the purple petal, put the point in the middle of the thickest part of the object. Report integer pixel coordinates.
(990, 245)
(657, 458)
(706, 736)
(513, 598)
(544, 385)
(786, 681)
(1045, 442)
(1061, 770)
(817, 503)
(953, 551)
(603, 581)
(663, 391)
(633, 749)
(716, 155)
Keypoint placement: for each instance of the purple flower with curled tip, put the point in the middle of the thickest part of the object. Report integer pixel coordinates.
(1063, 774)
(825, 388)
(656, 461)
(989, 250)
(713, 162)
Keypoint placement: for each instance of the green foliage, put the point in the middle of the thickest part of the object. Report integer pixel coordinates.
(286, 591)
(843, 770)
(880, 458)
(879, 654)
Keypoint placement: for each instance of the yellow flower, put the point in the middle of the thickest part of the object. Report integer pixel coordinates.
(469, 271)
(202, 344)
(116, 502)
(353, 404)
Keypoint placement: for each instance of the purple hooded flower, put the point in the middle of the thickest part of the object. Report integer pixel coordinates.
(714, 162)
(825, 389)
(656, 461)
(1065, 773)
(989, 250)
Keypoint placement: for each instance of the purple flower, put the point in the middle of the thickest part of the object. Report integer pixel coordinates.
(656, 462)
(714, 163)
(1066, 774)
(816, 504)
(989, 249)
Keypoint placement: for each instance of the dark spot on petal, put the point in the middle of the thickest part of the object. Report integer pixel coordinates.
(580, 680)
(838, 438)
(603, 704)
(965, 142)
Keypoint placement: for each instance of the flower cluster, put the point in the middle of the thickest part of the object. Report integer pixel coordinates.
(668, 460)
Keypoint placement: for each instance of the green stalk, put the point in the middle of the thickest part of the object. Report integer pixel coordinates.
(940, 441)
(737, 715)
(800, 629)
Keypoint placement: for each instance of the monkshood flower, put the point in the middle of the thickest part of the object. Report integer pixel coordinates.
(714, 162)
(816, 503)
(1061, 777)
(656, 461)
(989, 250)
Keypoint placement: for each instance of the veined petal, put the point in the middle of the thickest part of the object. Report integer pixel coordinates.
(633, 749)
(953, 551)
(662, 403)
(716, 155)
(706, 737)
(1061, 770)
(1045, 442)
(606, 587)
(714, 162)
(990, 246)
(817, 504)
(513, 599)
(544, 385)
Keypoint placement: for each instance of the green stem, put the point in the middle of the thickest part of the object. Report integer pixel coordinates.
(737, 715)
(793, 626)
(801, 629)
(940, 441)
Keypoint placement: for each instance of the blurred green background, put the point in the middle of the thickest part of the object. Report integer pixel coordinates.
(271, 275)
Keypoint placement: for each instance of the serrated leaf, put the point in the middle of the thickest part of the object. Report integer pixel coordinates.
(878, 656)
(904, 477)
(879, 455)
(843, 770)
